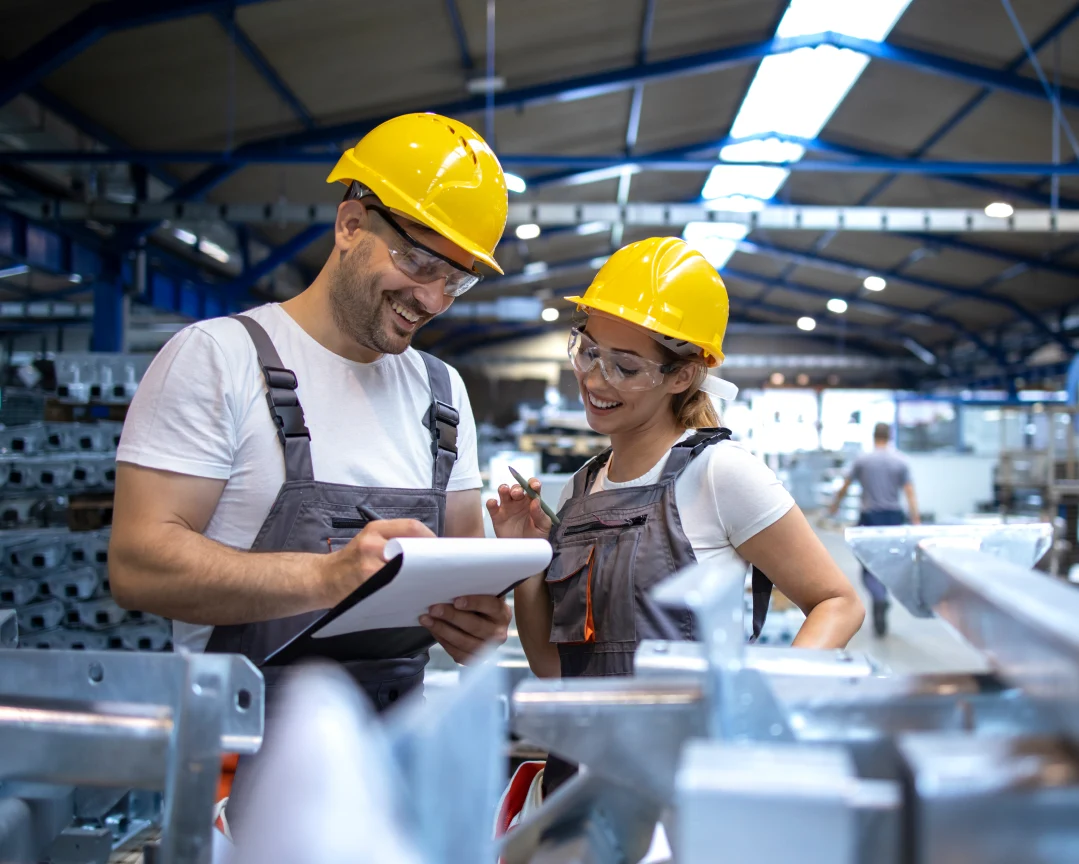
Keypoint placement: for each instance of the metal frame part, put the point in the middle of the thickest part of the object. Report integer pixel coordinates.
(138, 720)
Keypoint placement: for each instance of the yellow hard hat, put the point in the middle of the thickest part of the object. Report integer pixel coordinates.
(666, 286)
(437, 171)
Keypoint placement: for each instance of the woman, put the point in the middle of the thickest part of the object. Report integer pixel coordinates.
(672, 489)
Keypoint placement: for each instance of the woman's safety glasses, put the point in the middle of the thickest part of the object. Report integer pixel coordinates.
(422, 264)
(623, 370)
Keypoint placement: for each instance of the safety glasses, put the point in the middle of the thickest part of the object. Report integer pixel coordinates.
(621, 369)
(423, 264)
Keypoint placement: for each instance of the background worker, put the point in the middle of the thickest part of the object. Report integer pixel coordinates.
(672, 489)
(253, 441)
(882, 474)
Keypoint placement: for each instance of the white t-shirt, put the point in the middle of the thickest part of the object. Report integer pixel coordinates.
(201, 410)
(724, 496)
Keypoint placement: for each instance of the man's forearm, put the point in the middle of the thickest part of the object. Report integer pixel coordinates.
(912, 505)
(178, 573)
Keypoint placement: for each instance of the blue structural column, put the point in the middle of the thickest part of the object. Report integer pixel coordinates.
(110, 317)
(1073, 381)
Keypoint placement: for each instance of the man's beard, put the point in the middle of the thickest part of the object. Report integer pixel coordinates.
(359, 305)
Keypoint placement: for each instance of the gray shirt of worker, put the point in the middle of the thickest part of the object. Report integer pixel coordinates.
(882, 474)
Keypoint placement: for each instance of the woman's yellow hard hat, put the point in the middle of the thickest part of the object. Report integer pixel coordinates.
(437, 171)
(668, 287)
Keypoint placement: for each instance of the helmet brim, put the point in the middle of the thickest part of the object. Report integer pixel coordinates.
(713, 356)
(393, 198)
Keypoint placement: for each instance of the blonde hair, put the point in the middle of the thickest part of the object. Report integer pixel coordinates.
(693, 409)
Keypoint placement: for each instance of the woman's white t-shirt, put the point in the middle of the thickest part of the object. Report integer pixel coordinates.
(724, 496)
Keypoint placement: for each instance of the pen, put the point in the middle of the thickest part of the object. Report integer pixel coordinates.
(532, 493)
(367, 513)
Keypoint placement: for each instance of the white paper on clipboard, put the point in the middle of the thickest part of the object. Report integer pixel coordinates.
(439, 570)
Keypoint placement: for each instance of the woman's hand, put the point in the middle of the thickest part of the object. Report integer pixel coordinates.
(517, 516)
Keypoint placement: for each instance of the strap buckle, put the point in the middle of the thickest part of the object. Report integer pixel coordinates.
(278, 378)
(445, 419)
(285, 408)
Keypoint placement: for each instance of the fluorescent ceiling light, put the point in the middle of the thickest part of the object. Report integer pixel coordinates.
(735, 204)
(185, 236)
(17, 270)
(75, 278)
(208, 247)
(875, 283)
(716, 241)
(593, 227)
(807, 323)
(612, 172)
(796, 94)
(549, 314)
(920, 351)
(535, 268)
(999, 210)
(837, 306)
(598, 262)
(515, 183)
(528, 231)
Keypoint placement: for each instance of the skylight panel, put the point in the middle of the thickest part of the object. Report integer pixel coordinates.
(793, 94)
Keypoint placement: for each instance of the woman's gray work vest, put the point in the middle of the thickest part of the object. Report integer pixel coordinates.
(310, 516)
(610, 550)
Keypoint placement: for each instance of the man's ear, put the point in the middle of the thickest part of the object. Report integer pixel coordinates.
(351, 224)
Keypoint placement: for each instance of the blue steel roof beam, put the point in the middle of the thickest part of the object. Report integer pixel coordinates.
(612, 162)
(1046, 263)
(71, 39)
(586, 86)
(959, 116)
(278, 255)
(700, 148)
(912, 315)
(265, 69)
(850, 268)
(467, 64)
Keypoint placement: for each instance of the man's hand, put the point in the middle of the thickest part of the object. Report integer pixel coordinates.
(517, 516)
(348, 568)
(470, 624)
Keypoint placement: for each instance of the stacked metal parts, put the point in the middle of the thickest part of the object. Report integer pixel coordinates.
(56, 483)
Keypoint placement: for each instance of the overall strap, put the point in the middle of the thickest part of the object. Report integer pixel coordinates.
(681, 455)
(762, 596)
(442, 420)
(688, 449)
(285, 408)
(586, 475)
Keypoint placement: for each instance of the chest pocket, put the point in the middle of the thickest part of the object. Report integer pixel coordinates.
(591, 583)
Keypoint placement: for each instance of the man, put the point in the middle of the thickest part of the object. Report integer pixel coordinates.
(881, 474)
(267, 459)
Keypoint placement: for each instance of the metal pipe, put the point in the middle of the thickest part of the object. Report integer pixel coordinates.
(82, 745)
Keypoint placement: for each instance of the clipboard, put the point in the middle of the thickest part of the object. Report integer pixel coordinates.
(374, 643)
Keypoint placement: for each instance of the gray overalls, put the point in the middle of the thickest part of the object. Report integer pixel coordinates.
(310, 516)
(610, 550)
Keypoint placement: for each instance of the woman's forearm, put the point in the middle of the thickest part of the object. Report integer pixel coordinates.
(532, 612)
(831, 623)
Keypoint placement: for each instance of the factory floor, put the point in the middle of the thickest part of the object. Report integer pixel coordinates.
(912, 645)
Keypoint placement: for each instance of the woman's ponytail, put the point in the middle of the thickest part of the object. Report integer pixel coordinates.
(693, 409)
